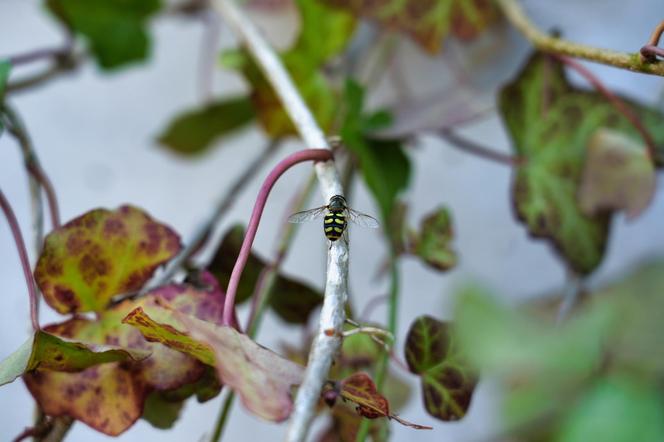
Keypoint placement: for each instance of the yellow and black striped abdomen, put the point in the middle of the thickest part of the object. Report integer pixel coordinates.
(334, 224)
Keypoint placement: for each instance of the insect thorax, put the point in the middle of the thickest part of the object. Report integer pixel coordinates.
(337, 203)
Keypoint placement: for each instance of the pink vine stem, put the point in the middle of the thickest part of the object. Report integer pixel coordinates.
(245, 250)
(23, 255)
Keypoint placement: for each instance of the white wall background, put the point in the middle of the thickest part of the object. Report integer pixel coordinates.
(95, 135)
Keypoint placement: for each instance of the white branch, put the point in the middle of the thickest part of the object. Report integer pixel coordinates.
(328, 338)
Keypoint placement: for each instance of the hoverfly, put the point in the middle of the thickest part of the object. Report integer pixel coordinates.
(336, 212)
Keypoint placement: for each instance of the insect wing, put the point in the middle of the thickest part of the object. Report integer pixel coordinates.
(362, 219)
(307, 215)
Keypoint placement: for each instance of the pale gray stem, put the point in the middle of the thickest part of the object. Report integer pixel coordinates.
(37, 208)
(571, 296)
(328, 338)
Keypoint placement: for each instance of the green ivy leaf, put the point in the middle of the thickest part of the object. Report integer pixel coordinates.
(303, 61)
(637, 302)
(194, 132)
(550, 123)
(100, 254)
(318, 20)
(291, 299)
(385, 166)
(542, 365)
(447, 382)
(114, 29)
(427, 22)
(573, 378)
(432, 243)
(312, 85)
(508, 342)
(616, 409)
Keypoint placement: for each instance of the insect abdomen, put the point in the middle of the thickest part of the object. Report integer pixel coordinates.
(334, 225)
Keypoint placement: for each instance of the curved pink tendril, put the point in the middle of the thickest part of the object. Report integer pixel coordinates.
(23, 255)
(252, 228)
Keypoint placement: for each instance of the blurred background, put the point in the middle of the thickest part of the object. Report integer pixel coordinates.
(96, 132)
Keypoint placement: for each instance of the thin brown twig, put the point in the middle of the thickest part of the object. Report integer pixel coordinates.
(60, 427)
(52, 201)
(474, 148)
(28, 432)
(17, 129)
(61, 65)
(40, 429)
(614, 100)
(630, 61)
(650, 50)
(42, 54)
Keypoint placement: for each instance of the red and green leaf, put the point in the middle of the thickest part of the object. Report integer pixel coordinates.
(261, 378)
(447, 382)
(361, 390)
(99, 255)
(432, 243)
(110, 397)
(551, 124)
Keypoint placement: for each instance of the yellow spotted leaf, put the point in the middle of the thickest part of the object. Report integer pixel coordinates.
(110, 397)
(107, 397)
(99, 255)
